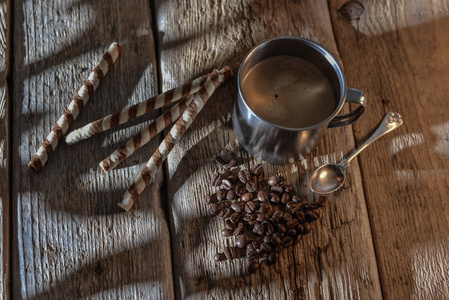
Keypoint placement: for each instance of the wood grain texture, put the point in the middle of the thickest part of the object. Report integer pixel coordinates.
(397, 52)
(4, 156)
(337, 259)
(71, 238)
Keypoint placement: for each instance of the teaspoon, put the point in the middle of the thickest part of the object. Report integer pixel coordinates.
(329, 178)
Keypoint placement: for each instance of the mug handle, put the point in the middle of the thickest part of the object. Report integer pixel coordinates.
(352, 96)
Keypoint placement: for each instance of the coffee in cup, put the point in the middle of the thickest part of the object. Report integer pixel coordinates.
(289, 91)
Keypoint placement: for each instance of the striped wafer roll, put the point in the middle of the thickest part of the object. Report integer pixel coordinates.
(73, 110)
(135, 111)
(148, 133)
(145, 135)
(172, 138)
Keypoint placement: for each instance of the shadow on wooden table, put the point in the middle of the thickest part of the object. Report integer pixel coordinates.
(75, 168)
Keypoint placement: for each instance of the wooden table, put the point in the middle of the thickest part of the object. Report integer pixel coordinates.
(385, 235)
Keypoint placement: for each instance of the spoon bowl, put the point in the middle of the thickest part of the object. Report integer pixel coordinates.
(327, 179)
(330, 177)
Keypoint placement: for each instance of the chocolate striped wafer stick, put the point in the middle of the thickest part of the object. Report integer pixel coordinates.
(135, 111)
(77, 104)
(145, 135)
(148, 133)
(172, 138)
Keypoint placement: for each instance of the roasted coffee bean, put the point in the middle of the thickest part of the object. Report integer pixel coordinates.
(235, 217)
(262, 217)
(291, 205)
(295, 209)
(272, 258)
(287, 217)
(228, 213)
(273, 240)
(297, 239)
(214, 209)
(233, 179)
(278, 248)
(229, 225)
(274, 180)
(253, 266)
(277, 189)
(250, 249)
(241, 241)
(275, 198)
(285, 198)
(300, 229)
(262, 196)
(208, 199)
(259, 229)
(249, 217)
(244, 176)
(265, 247)
(292, 223)
(239, 229)
(307, 227)
(288, 188)
(287, 241)
(255, 244)
(219, 257)
(251, 186)
(226, 232)
(236, 206)
(281, 228)
(221, 160)
(250, 206)
(296, 198)
(227, 253)
(269, 227)
(232, 162)
(264, 208)
(278, 215)
(300, 216)
(247, 196)
(257, 169)
(322, 201)
(226, 184)
(291, 232)
(216, 179)
(221, 194)
(312, 216)
(230, 195)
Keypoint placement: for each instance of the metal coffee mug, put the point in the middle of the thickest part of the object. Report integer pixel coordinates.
(278, 144)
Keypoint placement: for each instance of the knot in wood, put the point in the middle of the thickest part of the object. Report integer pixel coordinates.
(351, 10)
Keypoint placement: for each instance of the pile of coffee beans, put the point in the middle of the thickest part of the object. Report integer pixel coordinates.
(264, 216)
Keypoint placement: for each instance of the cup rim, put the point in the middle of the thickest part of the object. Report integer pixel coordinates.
(326, 55)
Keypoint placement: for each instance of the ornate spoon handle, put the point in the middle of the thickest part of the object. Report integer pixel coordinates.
(390, 122)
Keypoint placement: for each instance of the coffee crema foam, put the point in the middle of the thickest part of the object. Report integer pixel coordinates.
(289, 91)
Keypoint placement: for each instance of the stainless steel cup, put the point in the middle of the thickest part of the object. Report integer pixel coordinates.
(278, 144)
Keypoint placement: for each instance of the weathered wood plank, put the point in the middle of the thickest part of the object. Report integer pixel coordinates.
(337, 259)
(71, 238)
(4, 156)
(397, 52)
